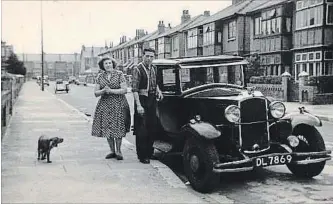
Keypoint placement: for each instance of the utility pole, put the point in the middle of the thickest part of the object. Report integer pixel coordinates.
(41, 26)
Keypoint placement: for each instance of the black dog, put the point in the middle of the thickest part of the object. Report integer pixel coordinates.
(45, 145)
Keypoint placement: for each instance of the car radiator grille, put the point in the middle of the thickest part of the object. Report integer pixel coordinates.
(254, 112)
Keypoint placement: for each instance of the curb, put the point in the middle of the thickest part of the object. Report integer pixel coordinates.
(167, 174)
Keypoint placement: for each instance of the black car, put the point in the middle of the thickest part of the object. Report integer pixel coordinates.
(219, 125)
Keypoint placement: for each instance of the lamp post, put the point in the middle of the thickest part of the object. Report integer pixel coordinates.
(41, 26)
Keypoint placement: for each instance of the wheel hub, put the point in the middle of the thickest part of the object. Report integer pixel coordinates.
(194, 163)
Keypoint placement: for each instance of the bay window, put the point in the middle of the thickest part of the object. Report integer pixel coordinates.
(208, 35)
(160, 45)
(309, 13)
(192, 38)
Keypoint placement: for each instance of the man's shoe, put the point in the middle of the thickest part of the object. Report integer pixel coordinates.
(119, 156)
(145, 161)
(111, 155)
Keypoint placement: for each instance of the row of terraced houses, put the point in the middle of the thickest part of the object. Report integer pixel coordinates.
(287, 35)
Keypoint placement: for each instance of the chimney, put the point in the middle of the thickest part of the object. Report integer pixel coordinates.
(83, 48)
(169, 25)
(160, 27)
(207, 13)
(185, 17)
(146, 32)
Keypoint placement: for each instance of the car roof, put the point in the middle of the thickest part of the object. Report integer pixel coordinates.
(219, 59)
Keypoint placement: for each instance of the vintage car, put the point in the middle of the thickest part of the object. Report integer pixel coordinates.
(219, 125)
(61, 85)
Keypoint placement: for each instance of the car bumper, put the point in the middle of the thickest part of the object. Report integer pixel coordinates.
(248, 164)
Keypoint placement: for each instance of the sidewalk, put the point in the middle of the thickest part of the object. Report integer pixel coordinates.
(78, 172)
(324, 112)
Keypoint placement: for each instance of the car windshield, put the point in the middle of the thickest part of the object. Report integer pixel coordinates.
(193, 77)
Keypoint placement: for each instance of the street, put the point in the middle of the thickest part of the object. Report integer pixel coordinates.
(273, 184)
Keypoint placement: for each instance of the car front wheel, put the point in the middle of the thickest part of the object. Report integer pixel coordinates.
(310, 141)
(199, 157)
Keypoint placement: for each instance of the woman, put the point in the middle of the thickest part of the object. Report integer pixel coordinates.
(112, 108)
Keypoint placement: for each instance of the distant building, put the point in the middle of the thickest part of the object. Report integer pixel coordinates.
(89, 58)
(55, 65)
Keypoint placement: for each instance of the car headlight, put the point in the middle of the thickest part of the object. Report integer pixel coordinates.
(232, 113)
(277, 109)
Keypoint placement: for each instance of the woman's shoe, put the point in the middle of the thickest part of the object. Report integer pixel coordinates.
(111, 155)
(119, 156)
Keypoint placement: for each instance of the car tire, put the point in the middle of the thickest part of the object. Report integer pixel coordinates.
(199, 157)
(313, 142)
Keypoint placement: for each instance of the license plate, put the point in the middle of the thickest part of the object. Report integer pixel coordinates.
(273, 160)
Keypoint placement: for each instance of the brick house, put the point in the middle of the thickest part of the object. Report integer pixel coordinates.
(225, 32)
(152, 41)
(271, 35)
(313, 37)
(177, 38)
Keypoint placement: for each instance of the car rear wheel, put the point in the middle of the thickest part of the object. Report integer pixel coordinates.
(310, 141)
(199, 157)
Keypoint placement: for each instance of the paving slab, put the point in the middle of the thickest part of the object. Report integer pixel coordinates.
(78, 172)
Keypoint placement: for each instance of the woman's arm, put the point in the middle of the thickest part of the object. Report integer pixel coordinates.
(123, 86)
(98, 92)
(122, 90)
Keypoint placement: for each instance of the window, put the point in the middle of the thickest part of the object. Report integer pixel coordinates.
(208, 35)
(175, 44)
(219, 37)
(232, 30)
(328, 55)
(168, 82)
(263, 31)
(288, 25)
(329, 14)
(309, 17)
(192, 39)
(257, 26)
(311, 56)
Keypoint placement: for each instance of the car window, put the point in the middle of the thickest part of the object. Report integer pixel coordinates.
(166, 79)
(192, 77)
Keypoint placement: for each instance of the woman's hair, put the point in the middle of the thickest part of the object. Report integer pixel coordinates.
(101, 63)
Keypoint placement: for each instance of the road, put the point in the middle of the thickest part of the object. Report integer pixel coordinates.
(274, 184)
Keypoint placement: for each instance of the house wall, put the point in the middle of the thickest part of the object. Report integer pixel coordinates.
(230, 46)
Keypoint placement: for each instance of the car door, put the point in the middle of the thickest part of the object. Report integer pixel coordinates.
(169, 109)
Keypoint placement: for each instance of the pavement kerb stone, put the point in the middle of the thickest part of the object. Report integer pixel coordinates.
(163, 169)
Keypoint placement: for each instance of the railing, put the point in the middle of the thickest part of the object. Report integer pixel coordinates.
(10, 89)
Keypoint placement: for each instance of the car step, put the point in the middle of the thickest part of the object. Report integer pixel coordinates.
(162, 146)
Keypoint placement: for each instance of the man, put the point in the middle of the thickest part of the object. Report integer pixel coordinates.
(145, 90)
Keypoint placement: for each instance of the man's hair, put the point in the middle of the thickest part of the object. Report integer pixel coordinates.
(148, 50)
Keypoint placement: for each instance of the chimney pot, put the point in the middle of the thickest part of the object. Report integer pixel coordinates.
(206, 13)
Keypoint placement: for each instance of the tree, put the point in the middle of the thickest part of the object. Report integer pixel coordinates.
(253, 67)
(15, 66)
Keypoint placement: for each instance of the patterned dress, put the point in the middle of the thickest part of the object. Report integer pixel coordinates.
(110, 113)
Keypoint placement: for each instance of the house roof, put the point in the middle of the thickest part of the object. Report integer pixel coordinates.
(266, 4)
(196, 21)
(156, 34)
(178, 27)
(239, 8)
(142, 38)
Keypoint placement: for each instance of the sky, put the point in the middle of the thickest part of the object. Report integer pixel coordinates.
(67, 25)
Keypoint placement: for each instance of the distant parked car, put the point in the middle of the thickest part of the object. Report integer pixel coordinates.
(72, 79)
(61, 86)
(81, 80)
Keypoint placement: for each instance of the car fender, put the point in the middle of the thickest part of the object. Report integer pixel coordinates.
(303, 118)
(203, 129)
